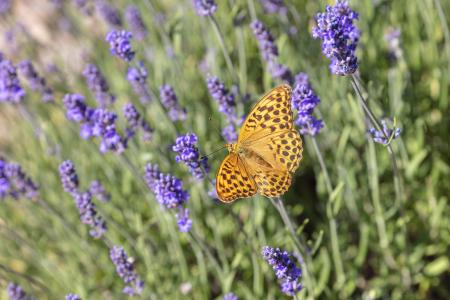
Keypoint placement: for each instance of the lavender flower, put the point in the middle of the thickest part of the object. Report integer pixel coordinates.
(132, 116)
(125, 269)
(169, 193)
(76, 108)
(170, 102)
(387, 135)
(72, 297)
(120, 45)
(84, 6)
(227, 105)
(392, 37)
(88, 214)
(98, 191)
(274, 6)
(136, 122)
(205, 7)
(266, 41)
(134, 20)
(339, 37)
(225, 99)
(230, 296)
(229, 133)
(98, 85)
(186, 148)
(138, 80)
(305, 100)
(183, 221)
(15, 182)
(285, 269)
(109, 13)
(5, 6)
(105, 128)
(10, 88)
(69, 177)
(15, 292)
(280, 71)
(36, 82)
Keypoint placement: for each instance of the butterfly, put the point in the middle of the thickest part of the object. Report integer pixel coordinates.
(267, 152)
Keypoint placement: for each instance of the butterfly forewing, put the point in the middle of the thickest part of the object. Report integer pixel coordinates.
(271, 114)
(233, 181)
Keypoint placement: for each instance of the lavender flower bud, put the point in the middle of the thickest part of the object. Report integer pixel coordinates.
(98, 191)
(125, 269)
(183, 221)
(98, 85)
(69, 177)
(274, 6)
(230, 296)
(285, 269)
(120, 45)
(266, 41)
(188, 153)
(88, 214)
(10, 88)
(387, 135)
(109, 13)
(135, 22)
(15, 292)
(72, 297)
(205, 7)
(138, 80)
(76, 108)
(5, 6)
(305, 100)
(15, 182)
(170, 102)
(36, 82)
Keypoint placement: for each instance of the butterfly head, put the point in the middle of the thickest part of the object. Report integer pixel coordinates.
(232, 148)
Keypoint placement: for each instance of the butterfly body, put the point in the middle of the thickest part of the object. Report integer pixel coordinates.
(267, 152)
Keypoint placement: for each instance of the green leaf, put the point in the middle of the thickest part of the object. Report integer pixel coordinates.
(437, 266)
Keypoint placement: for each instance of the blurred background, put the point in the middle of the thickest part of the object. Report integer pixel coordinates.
(388, 246)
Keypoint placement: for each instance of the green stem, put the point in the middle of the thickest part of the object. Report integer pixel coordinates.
(337, 259)
(397, 180)
(228, 61)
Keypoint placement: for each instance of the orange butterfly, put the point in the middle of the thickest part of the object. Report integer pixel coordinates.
(267, 152)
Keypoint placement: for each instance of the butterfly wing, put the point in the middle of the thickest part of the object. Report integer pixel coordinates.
(233, 180)
(270, 182)
(271, 114)
(282, 150)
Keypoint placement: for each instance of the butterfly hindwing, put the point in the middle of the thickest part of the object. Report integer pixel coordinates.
(283, 150)
(233, 180)
(271, 114)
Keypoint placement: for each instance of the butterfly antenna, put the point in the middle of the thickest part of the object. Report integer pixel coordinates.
(214, 152)
(219, 131)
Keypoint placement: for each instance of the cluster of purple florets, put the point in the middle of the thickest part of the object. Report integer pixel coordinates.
(137, 76)
(35, 81)
(73, 297)
(170, 101)
(135, 22)
(305, 100)
(83, 200)
(227, 106)
(187, 152)
(387, 134)
(98, 85)
(285, 269)
(120, 44)
(269, 52)
(10, 87)
(339, 37)
(125, 269)
(98, 122)
(205, 7)
(169, 192)
(15, 183)
(136, 122)
(15, 292)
